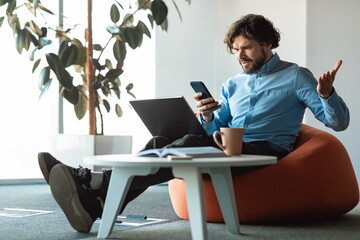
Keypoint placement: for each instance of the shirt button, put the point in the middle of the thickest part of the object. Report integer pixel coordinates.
(245, 125)
(251, 109)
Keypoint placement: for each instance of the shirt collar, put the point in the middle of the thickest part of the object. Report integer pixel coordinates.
(270, 65)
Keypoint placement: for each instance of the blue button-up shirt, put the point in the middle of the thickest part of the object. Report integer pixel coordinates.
(270, 105)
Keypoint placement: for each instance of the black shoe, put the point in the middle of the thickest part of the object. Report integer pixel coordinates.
(71, 189)
(46, 163)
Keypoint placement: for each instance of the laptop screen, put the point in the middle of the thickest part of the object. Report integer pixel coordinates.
(170, 117)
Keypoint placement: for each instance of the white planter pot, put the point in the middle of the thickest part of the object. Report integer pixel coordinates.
(71, 149)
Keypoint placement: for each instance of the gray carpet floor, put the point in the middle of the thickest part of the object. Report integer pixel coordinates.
(154, 203)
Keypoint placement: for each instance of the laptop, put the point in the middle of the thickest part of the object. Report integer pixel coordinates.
(170, 117)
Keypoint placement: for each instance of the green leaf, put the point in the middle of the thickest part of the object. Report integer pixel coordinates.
(159, 11)
(113, 30)
(105, 90)
(114, 14)
(141, 27)
(3, 2)
(119, 5)
(106, 105)
(114, 73)
(116, 90)
(45, 88)
(144, 4)
(117, 82)
(128, 20)
(81, 106)
(36, 64)
(96, 63)
(108, 64)
(1, 21)
(14, 24)
(69, 56)
(26, 39)
(164, 25)
(66, 80)
(32, 54)
(97, 47)
(151, 20)
(177, 9)
(119, 51)
(28, 28)
(71, 95)
(45, 9)
(36, 3)
(34, 41)
(44, 77)
(97, 84)
(20, 41)
(81, 59)
(55, 64)
(129, 87)
(118, 110)
(44, 41)
(131, 94)
(11, 6)
(78, 42)
(63, 46)
(132, 37)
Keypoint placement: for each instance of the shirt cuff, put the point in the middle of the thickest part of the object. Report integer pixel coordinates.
(330, 99)
(210, 127)
(201, 119)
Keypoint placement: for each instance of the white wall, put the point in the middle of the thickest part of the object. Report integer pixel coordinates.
(332, 34)
(187, 51)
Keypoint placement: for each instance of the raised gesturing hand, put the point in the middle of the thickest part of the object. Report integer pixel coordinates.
(326, 80)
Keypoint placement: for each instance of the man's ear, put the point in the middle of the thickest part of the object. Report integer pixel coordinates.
(269, 46)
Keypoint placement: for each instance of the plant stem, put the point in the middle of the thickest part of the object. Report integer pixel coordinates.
(101, 119)
(102, 50)
(90, 74)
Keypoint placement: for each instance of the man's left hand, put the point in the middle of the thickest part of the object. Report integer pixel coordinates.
(326, 80)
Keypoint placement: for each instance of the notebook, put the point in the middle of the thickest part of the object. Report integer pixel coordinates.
(170, 117)
(198, 152)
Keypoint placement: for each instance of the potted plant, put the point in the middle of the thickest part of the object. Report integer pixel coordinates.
(100, 77)
(56, 54)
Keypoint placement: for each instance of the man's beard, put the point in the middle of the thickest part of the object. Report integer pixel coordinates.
(257, 63)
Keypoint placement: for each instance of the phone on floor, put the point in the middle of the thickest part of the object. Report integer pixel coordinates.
(199, 86)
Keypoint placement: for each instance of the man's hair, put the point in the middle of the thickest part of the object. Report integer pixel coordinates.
(253, 27)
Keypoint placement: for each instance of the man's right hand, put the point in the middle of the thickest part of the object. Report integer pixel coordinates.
(206, 106)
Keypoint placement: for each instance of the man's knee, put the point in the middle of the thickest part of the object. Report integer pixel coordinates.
(157, 142)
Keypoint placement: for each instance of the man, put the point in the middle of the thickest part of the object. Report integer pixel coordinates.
(268, 99)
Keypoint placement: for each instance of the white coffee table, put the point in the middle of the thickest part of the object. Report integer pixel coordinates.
(125, 166)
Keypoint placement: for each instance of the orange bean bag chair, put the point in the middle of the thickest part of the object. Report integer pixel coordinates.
(315, 181)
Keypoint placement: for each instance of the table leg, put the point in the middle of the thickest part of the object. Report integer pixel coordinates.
(195, 200)
(223, 185)
(118, 187)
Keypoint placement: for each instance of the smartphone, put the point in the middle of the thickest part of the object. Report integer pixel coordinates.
(199, 86)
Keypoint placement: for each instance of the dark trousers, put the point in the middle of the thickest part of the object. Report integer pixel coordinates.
(141, 183)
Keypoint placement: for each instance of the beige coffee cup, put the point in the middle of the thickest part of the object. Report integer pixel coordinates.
(232, 139)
